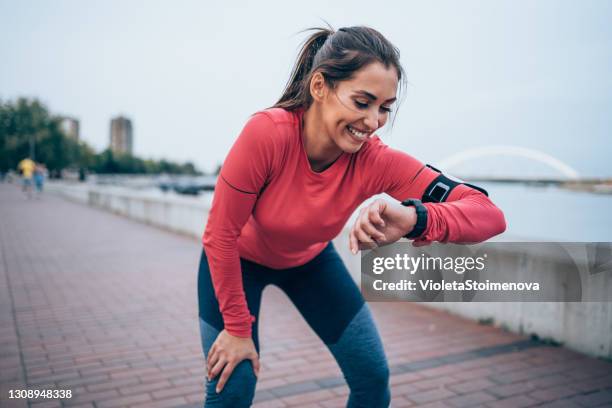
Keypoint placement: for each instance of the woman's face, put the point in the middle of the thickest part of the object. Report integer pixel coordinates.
(357, 107)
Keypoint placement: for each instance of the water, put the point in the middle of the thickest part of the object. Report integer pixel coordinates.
(550, 213)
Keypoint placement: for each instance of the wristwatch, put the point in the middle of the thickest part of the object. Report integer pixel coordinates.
(421, 212)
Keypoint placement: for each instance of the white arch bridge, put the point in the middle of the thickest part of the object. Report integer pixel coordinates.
(566, 172)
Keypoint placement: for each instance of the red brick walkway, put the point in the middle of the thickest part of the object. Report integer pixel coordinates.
(106, 307)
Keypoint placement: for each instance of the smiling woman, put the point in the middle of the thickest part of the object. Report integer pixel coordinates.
(290, 182)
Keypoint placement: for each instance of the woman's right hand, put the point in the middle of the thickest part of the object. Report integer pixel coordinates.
(226, 353)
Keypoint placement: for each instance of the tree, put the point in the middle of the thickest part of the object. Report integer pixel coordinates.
(27, 127)
(21, 123)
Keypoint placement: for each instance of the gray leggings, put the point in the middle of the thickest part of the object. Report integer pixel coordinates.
(329, 300)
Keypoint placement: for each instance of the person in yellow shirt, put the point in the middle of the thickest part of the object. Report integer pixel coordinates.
(26, 168)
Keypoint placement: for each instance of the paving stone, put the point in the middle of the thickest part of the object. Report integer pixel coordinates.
(107, 307)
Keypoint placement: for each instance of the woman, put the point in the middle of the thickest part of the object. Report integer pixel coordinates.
(289, 184)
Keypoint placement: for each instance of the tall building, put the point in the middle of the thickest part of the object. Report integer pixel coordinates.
(70, 127)
(121, 135)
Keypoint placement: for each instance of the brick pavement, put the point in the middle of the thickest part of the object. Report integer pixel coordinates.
(106, 307)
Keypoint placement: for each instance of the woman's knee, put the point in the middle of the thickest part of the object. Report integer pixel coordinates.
(239, 390)
(361, 357)
(370, 389)
(379, 385)
(372, 374)
(378, 374)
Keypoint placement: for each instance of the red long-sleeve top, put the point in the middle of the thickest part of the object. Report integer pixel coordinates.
(271, 208)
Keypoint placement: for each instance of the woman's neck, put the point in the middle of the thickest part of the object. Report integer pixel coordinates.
(321, 150)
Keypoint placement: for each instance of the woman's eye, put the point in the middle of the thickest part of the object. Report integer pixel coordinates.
(364, 105)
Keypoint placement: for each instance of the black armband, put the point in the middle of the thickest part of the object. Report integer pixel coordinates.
(439, 189)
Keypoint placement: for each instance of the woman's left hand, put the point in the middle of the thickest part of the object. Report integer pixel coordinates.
(381, 223)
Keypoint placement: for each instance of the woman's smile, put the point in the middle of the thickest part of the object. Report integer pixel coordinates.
(357, 135)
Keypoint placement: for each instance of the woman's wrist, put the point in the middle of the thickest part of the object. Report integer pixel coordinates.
(410, 219)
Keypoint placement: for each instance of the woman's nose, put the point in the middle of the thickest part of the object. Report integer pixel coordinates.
(371, 120)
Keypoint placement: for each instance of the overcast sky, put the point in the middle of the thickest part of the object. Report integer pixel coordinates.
(533, 74)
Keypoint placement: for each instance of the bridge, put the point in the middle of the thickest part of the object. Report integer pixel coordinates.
(567, 176)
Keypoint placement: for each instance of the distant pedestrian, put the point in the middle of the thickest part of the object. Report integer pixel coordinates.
(39, 177)
(26, 168)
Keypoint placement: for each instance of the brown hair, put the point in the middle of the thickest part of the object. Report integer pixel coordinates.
(337, 55)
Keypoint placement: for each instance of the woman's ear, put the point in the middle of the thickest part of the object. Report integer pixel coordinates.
(318, 87)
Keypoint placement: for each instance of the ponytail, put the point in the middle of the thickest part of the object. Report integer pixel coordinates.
(296, 94)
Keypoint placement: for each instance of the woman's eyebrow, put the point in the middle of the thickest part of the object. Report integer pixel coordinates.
(373, 97)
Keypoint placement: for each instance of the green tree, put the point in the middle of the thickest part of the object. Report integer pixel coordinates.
(56, 150)
(21, 123)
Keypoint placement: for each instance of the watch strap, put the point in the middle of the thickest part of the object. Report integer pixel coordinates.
(421, 212)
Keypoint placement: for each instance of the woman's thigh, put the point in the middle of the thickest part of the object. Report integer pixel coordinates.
(253, 282)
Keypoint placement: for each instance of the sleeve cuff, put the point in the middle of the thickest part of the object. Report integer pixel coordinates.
(241, 330)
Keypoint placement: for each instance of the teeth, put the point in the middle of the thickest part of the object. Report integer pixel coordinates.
(360, 135)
